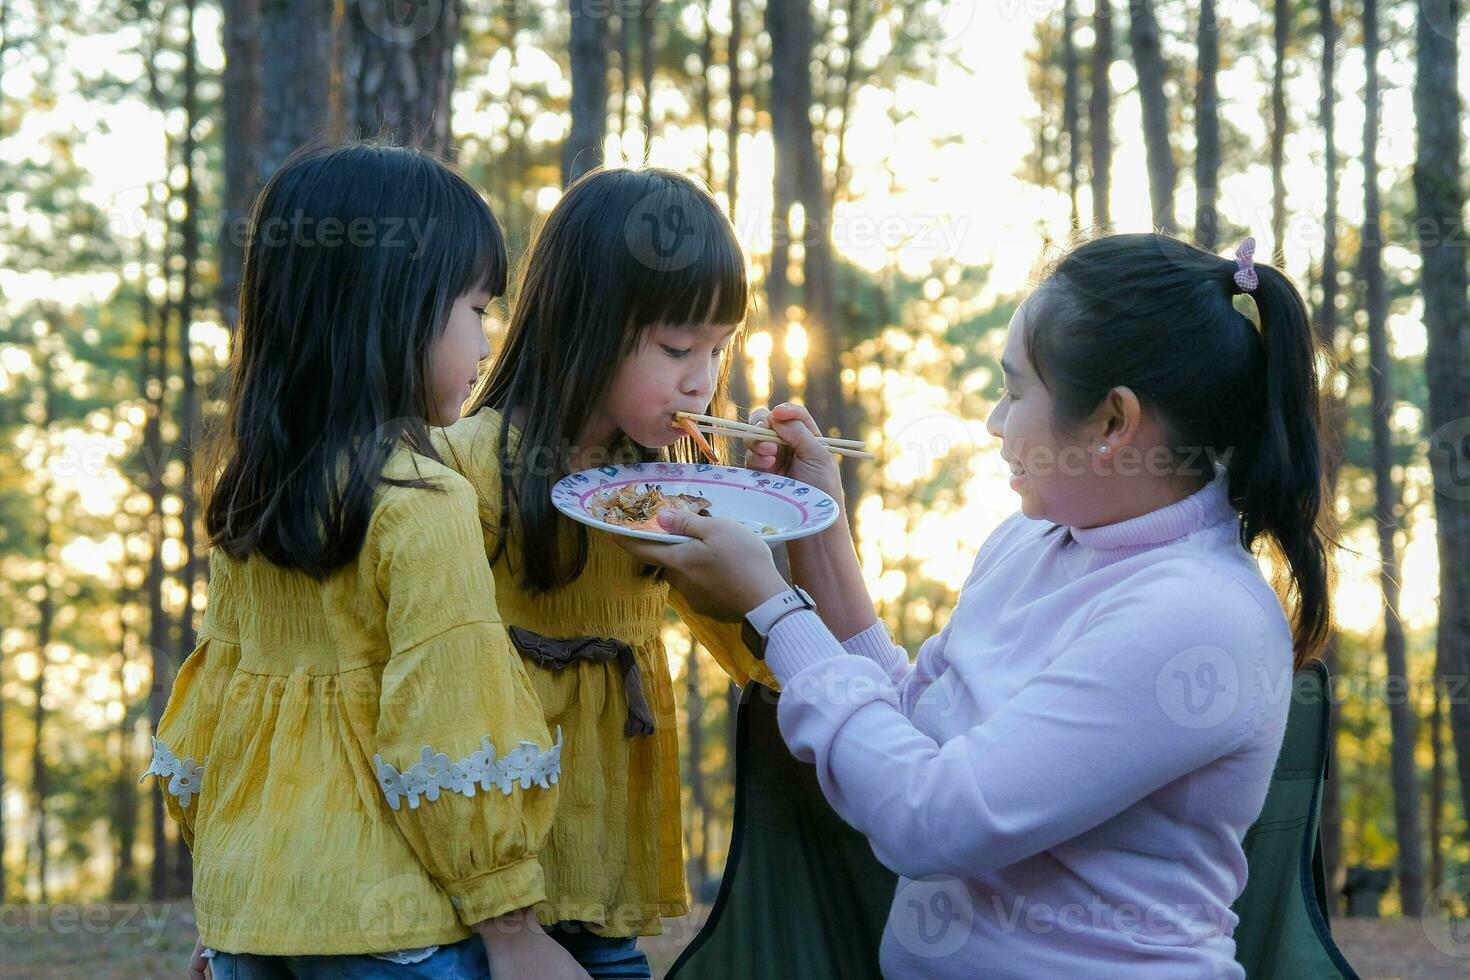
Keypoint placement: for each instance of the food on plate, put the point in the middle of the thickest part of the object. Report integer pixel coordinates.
(638, 505)
(635, 507)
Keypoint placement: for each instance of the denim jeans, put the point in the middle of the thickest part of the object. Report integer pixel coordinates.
(464, 960)
(603, 958)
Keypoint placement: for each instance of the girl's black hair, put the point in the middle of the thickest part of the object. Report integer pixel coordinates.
(357, 253)
(1157, 315)
(622, 251)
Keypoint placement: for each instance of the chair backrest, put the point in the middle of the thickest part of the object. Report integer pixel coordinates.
(788, 841)
(1283, 931)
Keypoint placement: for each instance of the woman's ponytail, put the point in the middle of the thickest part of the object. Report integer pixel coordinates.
(1276, 478)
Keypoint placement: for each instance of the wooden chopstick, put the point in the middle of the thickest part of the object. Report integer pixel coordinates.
(757, 436)
(770, 435)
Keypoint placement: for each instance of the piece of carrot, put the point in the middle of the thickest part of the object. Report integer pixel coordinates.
(688, 426)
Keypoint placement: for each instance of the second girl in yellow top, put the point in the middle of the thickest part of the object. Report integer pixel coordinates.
(634, 289)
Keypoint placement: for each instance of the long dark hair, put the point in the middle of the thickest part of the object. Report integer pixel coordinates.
(621, 251)
(1157, 314)
(357, 253)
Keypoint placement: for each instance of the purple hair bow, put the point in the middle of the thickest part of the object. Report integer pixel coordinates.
(1245, 276)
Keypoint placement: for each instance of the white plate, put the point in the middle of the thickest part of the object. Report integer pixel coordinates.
(756, 499)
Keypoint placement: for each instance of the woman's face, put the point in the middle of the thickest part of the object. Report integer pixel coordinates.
(455, 360)
(673, 369)
(1058, 476)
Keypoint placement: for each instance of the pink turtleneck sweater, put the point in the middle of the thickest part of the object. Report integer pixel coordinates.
(1064, 777)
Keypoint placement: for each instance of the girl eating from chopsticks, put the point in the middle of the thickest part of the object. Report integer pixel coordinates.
(1064, 777)
(632, 292)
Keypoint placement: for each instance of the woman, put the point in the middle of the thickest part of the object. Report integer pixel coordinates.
(1064, 777)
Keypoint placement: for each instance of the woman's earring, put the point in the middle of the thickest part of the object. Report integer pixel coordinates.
(1102, 449)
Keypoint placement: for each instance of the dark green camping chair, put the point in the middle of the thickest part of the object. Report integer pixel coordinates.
(1283, 930)
(803, 896)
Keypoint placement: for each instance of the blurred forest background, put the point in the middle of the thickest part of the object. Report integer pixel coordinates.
(894, 167)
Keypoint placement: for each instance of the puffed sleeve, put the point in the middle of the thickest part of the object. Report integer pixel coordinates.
(463, 755)
(186, 729)
(725, 645)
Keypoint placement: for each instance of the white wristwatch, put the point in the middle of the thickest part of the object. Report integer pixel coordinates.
(758, 623)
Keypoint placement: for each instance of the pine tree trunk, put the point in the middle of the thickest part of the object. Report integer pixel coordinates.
(1400, 705)
(189, 421)
(647, 22)
(241, 138)
(737, 95)
(588, 53)
(1326, 326)
(1100, 114)
(625, 73)
(1148, 60)
(40, 775)
(5, 45)
(124, 818)
(706, 59)
(398, 71)
(783, 106)
(1207, 131)
(857, 29)
(297, 47)
(1436, 788)
(4, 877)
(790, 25)
(1071, 114)
(694, 711)
(1278, 134)
(1440, 205)
(155, 463)
(740, 394)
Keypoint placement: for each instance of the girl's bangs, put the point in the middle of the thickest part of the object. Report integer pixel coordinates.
(703, 281)
(472, 251)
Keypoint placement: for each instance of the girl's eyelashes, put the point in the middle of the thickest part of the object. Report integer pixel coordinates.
(482, 311)
(677, 352)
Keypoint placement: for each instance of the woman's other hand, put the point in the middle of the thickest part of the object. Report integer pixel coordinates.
(724, 570)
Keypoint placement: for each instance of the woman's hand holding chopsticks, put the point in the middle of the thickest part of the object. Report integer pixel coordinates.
(798, 455)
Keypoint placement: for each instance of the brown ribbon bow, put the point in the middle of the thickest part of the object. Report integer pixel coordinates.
(557, 654)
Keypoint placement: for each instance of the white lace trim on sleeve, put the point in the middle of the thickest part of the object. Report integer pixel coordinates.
(185, 776)
(526, 764)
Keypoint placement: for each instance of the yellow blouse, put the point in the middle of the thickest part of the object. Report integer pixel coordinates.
(615, 857)
(376, 772)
